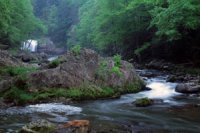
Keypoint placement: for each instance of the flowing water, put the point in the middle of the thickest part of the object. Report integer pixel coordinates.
(170, 114)
(30, 45)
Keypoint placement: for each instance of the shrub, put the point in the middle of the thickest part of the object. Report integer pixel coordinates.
(116, 70)
(17, 71)
(54, 63)
(117, 59)
(18, 95)
(103, 71)
(76, 49)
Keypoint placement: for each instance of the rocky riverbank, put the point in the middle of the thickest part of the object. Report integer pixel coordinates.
(188, 78)
(76, 75)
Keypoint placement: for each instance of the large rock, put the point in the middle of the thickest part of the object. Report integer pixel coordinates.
(160, 65)
(32, 57)
(86, 68)
(6, 84)
(38, 126)
(7, 60)
(187, 88)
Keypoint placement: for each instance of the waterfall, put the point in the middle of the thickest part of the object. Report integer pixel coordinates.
(30, 45)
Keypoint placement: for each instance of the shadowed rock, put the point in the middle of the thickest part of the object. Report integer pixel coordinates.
(187, 88)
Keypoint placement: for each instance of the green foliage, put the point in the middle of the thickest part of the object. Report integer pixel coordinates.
(79, 93)
(117, 59)
(132, 26)
(116, 70)
(58, 16)
(142, 48)
(17, 71)
(76, 49)
(18, 95)
(55, 63)
(85, 92)
(134, 87)
(103, 71)
(117, 64)
(174, 15)
(18, 22)
(111, 26)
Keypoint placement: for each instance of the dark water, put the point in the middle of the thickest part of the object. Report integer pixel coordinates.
(118, 115)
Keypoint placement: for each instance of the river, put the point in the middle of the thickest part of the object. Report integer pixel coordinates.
(170, 114)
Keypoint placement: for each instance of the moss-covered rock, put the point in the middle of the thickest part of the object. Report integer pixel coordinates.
(83, 77)
(75, 71)
(38, 126)
(143, 102)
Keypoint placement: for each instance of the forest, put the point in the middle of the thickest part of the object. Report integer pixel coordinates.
(136, 29)
(105, 65)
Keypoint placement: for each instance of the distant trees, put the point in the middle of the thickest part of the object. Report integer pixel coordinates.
(17, 22)
(58, 16)
(114, 25)
(125, 26)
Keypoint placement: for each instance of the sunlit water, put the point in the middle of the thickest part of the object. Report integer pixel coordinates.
(52, 58)
(106, 113)
(43, 108)
(30, 45)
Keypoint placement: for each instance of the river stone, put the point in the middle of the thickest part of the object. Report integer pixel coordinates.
(38, 126)
(5, 84)
(76, 126)
(187, 88)
(143, 102)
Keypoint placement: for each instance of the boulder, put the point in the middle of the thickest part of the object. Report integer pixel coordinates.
(160, 65)
(76, 126)
(85, 68)
(31, 57)
(143, 102)
(7, 60)
(6, 84)
(187, 88)
(175, 78)
(38, 126)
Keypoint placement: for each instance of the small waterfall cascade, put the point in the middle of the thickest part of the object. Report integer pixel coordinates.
(30, 45)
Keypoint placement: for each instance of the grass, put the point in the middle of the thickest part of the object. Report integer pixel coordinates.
(134, 87)
(16, 71)
(117, 71)
(117, 59)
(76, 49)
(22, 96)
(55, 63)
(76, 93)
(19, 96)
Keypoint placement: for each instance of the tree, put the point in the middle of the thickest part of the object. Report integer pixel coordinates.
(176, 18)
(18, 22)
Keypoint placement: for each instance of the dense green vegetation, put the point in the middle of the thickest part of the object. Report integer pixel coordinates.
(58, 16)
(20, 95)
(17, 22)
(140, 28)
